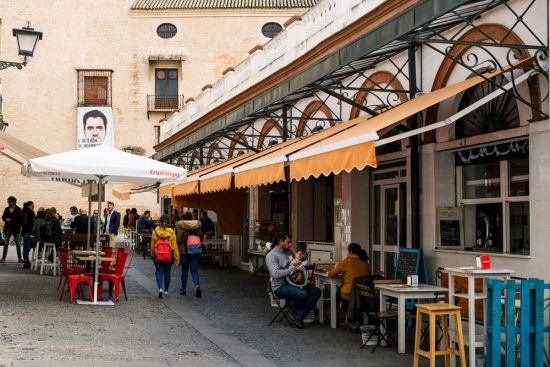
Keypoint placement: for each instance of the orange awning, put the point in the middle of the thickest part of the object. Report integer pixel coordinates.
(354, 148)
(122, 192)
(19, 147)
(186, 188)
(217, 183)
(270, 167)
(166, 190)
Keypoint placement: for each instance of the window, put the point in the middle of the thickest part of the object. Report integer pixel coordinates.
(166, 92)
(271, 29)
(166, 30)
(94, 87)
(496, 205)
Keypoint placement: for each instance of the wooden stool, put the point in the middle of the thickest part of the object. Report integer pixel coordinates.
(444, 310)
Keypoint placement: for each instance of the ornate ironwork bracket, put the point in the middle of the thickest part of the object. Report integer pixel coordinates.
(7, 64)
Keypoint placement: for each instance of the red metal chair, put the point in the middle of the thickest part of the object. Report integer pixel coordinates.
(116, 279)
(73, 276)
(107, 266)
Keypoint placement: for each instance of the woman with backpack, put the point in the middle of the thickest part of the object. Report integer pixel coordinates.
(164, 251)
(190, 246)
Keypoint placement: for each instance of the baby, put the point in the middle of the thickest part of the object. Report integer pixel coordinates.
(298, 275)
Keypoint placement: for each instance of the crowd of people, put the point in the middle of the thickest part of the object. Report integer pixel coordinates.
(26, 227)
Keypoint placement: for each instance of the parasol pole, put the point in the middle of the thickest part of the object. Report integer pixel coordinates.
(90, 216)
(99, 200)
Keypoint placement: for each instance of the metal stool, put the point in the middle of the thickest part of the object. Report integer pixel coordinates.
(43, 260)
(433, 310)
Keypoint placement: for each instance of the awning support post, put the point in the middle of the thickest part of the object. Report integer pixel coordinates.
(414, 173)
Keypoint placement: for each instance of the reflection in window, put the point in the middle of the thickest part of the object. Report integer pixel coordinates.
(519, 228)
(519, 177)
(481, 180)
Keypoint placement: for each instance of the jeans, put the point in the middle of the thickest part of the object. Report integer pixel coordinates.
(304, 298)
(7, 236)
(27, 245)
(163, 272)
(190, 261)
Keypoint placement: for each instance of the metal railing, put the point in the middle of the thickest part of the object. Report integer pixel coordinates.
(164, 102)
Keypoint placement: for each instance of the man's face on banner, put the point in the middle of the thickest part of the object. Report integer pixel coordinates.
(94, 129)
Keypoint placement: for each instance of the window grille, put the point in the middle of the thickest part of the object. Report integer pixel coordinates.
(94, 88)
(166, 30)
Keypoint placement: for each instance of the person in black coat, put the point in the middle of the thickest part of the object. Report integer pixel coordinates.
(26, 231)
(80, 222)
(13, 220)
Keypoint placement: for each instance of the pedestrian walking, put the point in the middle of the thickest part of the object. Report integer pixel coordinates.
(13, 219)
(164, 251)
(190, 246)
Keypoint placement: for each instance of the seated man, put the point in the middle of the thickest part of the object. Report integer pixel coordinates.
(145, 224)
(353, 266)
(304, 297)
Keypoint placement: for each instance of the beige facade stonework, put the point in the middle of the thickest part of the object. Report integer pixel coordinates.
(40, 101)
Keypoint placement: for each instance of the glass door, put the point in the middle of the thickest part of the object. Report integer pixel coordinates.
(389, 226)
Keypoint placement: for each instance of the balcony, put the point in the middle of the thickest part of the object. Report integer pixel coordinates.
(164, 103)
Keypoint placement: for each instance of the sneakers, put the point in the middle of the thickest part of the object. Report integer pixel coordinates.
(165, 293)
(183, 292)
(160, 293)
(3, 260)
(297, 320)
(27, 265)
(198, 292)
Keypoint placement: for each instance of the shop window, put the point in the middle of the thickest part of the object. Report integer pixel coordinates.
(271, 29)
(94, 87)
(499, 114)
(496, 205)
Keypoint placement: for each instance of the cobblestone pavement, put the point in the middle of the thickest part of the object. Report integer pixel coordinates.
(226, 327)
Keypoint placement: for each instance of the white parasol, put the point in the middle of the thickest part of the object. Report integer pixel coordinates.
(102, 164)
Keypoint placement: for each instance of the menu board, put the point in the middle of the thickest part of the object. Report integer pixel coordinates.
(449, 227)
(411, 262)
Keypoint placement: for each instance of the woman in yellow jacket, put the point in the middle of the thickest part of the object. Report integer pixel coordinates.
(163, 269)
(350, 268)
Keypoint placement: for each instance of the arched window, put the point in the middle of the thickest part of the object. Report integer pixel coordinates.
(499, 114)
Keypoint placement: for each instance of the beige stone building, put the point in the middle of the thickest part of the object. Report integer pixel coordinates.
(143, 58)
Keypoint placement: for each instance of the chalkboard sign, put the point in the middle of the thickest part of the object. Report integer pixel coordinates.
(449, 227)
(411, 262)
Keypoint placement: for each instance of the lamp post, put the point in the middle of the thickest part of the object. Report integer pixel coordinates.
(27, 39)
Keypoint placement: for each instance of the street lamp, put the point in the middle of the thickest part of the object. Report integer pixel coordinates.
(27, 39)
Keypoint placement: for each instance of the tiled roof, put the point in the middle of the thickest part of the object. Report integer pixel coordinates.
(221, 4)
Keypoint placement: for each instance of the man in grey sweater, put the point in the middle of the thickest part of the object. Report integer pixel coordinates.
(303, 298)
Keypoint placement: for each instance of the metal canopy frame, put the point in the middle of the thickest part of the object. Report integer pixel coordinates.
(426, 24)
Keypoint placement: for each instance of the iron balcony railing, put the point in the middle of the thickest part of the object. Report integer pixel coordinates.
(164, 102)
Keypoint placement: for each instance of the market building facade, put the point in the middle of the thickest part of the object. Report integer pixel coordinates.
(394, 124)
(137, 61)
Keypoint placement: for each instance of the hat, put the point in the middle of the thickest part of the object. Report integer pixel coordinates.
(41, 209)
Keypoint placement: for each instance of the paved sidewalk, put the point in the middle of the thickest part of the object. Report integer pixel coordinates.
(226, 327)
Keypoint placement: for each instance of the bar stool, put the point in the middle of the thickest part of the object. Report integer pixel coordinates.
(43, 260)
(445, 311)
(35, 256)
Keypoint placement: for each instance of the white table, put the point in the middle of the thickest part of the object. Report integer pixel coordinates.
(404, 292)
(321, 279)
(471, 274)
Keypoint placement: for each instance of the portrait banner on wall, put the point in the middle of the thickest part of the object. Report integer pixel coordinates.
(94, 126)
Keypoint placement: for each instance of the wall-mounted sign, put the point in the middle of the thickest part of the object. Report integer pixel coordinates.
(450, 229)
(94, 126)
